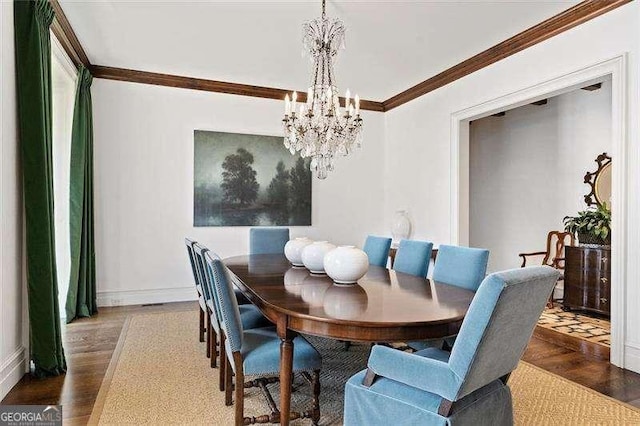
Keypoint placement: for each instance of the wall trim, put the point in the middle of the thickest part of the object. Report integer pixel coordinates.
(632, 357)
(557, 24)
(63, 31)
(140, 297)
(459, 189)
(12, 370)
(570, 18)
(170, 80)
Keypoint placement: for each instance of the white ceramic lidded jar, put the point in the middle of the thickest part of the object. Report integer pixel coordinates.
(313, 256)
(293, 250)
(346, 264)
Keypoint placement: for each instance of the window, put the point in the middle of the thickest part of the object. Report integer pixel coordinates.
(63, 76)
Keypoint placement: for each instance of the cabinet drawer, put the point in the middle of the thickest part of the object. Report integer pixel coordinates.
(588, 258)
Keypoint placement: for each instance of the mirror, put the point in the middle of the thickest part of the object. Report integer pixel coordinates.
(600, 182)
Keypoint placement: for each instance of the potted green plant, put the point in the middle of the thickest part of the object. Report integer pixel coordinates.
(593, 225)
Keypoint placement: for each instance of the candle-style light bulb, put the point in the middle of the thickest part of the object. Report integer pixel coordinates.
(294, 101)
(287, 105)
(357, 102)
(346, 99)
(310, 95)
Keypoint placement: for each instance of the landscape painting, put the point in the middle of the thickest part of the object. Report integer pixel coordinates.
(249, 180)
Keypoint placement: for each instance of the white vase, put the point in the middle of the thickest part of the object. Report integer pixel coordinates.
(313, 256)
(346, 264)
(293, 250)
(345, 302)
(401, 226)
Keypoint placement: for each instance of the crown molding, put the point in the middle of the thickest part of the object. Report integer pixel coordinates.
(63, 31)
(145, 77)
(570, 18)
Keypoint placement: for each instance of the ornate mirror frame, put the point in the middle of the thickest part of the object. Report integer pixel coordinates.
(591, 179)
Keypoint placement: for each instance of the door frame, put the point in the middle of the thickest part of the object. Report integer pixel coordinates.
(459, 192)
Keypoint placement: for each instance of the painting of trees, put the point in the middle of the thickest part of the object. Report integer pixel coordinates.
(279, 188)
(301, 185)
(248, 180)
(239, 178)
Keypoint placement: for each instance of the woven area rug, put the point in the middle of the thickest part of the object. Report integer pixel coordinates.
(159, 375)
(583, 327)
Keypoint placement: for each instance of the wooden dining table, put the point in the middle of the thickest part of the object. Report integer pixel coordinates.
(384, 306)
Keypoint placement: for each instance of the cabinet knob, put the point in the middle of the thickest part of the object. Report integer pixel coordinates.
(605, 259)
(604, 280)
(603, 300)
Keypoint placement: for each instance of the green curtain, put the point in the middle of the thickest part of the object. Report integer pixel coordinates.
(32, 20)
(81, 298)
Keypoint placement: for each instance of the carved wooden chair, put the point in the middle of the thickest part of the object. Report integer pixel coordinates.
(554, 255)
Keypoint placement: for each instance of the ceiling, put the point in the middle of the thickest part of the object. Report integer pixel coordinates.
(391, 45)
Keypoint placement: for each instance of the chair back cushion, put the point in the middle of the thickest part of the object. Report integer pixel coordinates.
(499, 324)
(267, 240)
(461, 266)
(199, 251)
(413, 257)
(210, 256)
(229, 312)
(377, 249)
(189, 244)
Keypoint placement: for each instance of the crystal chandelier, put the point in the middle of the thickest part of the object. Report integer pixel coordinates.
(319, 128)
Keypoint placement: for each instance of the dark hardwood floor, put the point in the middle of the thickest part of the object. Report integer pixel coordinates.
(89, 344)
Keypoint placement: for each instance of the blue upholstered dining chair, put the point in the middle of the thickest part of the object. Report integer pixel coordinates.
(468, 385)
(413, 257)
(267, 240)
(250, 315)
(377, 249)
(459, 266)
(256, 352)
(202, 327)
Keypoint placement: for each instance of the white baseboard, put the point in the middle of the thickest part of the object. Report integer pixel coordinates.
(140, 297)
(632, 357)
(11, 371)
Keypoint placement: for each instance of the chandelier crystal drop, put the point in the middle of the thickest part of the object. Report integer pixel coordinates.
(320, 128)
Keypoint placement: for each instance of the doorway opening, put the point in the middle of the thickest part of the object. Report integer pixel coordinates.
(527, 169)
(609, 73)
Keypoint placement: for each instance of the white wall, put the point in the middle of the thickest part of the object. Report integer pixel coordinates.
(419, 134)
(12, 351)
(144, 186)
(533, 160)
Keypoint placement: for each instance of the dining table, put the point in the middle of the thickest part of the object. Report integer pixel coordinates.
(383, 306)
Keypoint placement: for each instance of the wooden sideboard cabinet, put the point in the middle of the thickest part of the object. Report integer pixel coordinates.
(587, 279)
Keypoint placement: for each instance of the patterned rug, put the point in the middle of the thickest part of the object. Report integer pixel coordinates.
(160, 376)
(577, 325)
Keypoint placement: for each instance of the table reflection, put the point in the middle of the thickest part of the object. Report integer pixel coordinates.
(314, 288)
(345, 301)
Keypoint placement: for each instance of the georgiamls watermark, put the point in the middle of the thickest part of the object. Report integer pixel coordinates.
(30, 415)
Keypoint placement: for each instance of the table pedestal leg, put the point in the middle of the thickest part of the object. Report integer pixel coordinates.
(286, 372)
